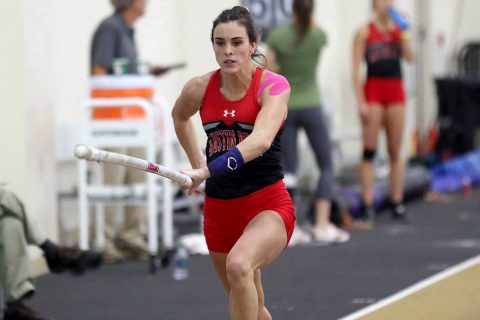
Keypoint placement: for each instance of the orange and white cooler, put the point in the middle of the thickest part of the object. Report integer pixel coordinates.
(127, 86)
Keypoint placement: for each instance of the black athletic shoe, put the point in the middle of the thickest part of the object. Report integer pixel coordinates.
(368, 213)
(73, 260)
(400, 213)
(22, 312)
(366, 219)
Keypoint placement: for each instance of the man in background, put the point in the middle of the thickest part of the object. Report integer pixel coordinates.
(114, 42)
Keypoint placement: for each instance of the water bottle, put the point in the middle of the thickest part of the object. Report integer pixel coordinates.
(180, 264)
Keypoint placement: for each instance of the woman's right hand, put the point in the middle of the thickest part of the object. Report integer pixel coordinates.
(198, 176)
(364, 112)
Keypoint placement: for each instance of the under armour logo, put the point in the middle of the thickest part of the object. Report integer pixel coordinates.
(232, 163)
(230, 113)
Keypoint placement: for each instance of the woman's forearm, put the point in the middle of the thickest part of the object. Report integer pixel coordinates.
(358, 89)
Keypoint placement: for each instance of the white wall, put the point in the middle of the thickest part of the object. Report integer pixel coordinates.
(13, 106)
(449, 25)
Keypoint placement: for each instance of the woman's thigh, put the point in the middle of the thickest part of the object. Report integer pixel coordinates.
(371, 127)
(289, 144)
(394, 127)
(262, 241)
(219, 260)
(316, 128)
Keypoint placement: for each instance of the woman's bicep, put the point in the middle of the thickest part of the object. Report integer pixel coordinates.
(183, 109)
(272, 95)
(272, 114)
(407, 50)
(187, 103)
(358, 54)
(268, 122)
(358, 49)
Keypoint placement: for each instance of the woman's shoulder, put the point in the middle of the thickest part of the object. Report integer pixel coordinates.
(195, 88)
(268, 74)
(318, 29)
(273, 83)
(364, 30)
(318, 32)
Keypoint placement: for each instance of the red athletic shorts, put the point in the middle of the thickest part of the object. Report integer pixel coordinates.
(225, 220)
(384, 91)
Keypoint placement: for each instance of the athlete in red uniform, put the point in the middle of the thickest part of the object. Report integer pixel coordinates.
(249, 215)
(381, 99)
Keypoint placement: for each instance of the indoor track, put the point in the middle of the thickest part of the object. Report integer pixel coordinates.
(387, 272)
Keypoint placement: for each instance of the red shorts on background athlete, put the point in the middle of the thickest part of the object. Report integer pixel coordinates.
(384, 91)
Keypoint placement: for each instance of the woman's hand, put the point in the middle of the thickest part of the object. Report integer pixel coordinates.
(198, 176)
(364, 112)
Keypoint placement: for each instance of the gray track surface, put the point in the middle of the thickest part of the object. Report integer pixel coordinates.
(310, 282)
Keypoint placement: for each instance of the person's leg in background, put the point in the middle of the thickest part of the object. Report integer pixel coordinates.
(17, 231)
(132, 236)
(59, 258)
(15, 273)
(289, 162)
(2, 295)
(370, 130)
(12, 206)
(289, 152)
(128, 240)
(316, 127)
(113, 175)
(394, 127)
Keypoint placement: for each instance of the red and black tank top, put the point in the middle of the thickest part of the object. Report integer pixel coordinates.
(383, 52)
(226, 124)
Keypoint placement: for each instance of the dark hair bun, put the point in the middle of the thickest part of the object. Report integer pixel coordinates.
(241, 11)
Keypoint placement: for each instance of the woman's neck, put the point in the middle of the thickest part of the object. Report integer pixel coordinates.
(234, 86)
(383, 21)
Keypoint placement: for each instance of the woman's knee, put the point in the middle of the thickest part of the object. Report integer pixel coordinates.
(324, 161)
(238, 270)
(394, 154)
(369, 154)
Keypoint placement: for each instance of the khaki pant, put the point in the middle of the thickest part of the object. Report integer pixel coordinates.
(17, 231)
(133, 222)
